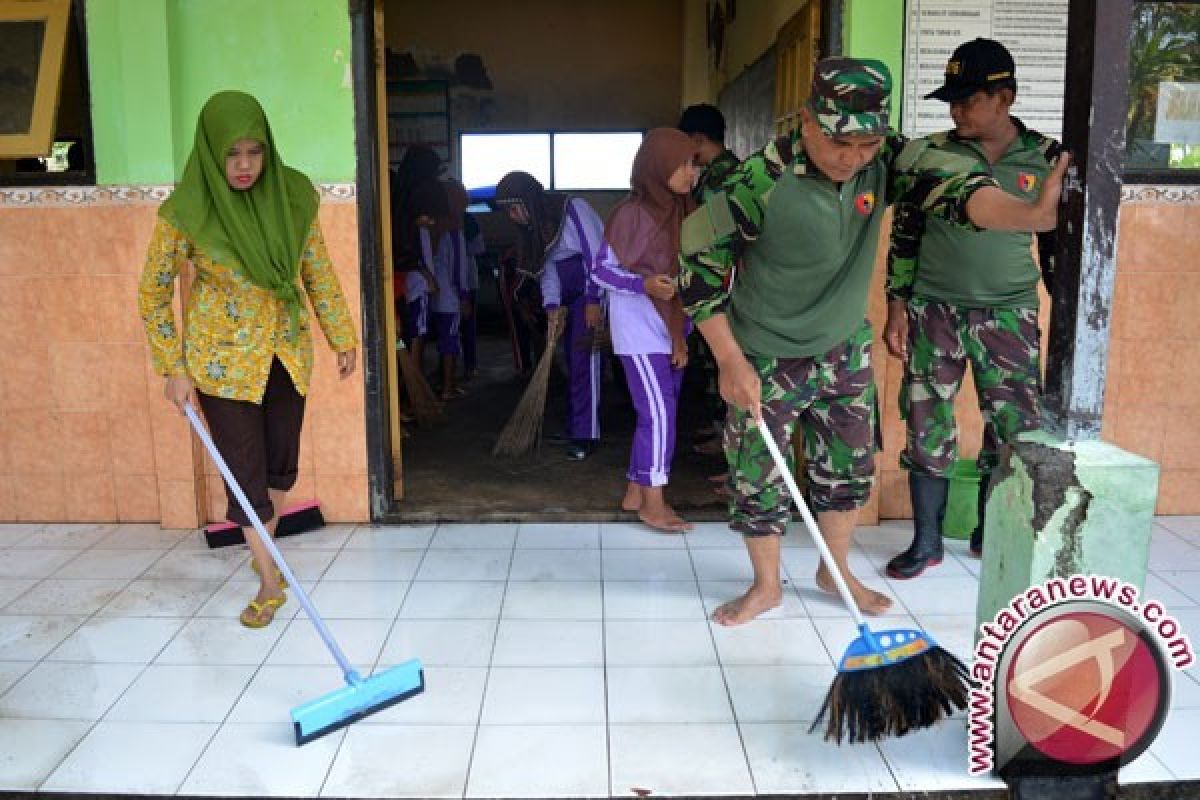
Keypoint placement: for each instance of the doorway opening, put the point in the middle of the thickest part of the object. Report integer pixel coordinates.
(439, 74)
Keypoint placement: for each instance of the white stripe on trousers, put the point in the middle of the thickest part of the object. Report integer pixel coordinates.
(658, 415)
(422, 316)
(594, 363)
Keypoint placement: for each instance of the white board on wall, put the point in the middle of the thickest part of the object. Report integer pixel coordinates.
(1178, 114)
(1034, 32)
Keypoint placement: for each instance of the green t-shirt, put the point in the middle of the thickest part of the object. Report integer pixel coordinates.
(805, 280)
(788, 255)
(972, 268)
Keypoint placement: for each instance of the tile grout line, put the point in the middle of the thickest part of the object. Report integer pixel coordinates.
(1150, 752)
(233, 576)
(487, 677)
(835, 658)
(337, 751)
(832, 657)
(257, 668)
(219, 726)
(144, 670)
(39, 581)
(737, 725)
(1183, 536)
(604, 661)
(86, 618)
(144, 667)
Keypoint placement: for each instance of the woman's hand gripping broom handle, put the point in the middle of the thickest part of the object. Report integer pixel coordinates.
(810, 523)
(351, 674)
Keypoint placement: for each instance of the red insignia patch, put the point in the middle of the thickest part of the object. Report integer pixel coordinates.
(865, 203)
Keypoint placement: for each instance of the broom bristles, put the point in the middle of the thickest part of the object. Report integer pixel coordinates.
(892, 700)
(425, 406)
(523, 431)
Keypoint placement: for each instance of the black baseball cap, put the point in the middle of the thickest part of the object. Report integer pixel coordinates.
(977, 64)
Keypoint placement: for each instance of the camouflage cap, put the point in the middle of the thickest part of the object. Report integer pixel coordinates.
(851, 95)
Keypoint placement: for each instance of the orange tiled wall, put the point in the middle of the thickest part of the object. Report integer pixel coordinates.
(1152, 402)
(85, 434)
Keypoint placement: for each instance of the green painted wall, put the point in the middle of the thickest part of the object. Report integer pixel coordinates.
(129, 75)
(875, 29)
(154, 63)
(293, 55)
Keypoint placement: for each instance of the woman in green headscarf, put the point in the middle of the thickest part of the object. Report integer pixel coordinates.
(247, 224)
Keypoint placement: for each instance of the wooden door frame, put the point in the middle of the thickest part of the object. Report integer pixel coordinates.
(380, 468)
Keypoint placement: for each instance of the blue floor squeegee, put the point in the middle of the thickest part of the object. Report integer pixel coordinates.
(360, 696)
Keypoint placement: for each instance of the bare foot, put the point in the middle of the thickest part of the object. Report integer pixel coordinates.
(665, 520)
(658, 514)
(632, 501)
(755, 601)
(868, 600)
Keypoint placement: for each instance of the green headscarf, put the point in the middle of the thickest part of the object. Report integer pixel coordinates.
(259, 231)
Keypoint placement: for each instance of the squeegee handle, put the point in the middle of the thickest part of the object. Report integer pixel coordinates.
(351, 674)
(809, 522)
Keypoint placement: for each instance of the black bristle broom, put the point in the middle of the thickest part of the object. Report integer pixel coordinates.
(888, 682)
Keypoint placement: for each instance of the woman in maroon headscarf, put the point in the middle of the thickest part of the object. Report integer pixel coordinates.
(638, 266)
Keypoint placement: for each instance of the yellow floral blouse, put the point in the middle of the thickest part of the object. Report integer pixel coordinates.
(232, 328)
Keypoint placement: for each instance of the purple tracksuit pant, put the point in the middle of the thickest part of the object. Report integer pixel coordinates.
(654, 385)
(583, 363)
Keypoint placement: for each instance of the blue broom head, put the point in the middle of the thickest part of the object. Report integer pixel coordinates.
(874, 649)
(358, 698)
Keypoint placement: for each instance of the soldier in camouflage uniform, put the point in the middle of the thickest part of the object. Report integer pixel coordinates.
(802, 217)
(967, 297)
(705, 124)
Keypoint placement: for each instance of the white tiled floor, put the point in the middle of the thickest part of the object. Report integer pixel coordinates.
(561, 660)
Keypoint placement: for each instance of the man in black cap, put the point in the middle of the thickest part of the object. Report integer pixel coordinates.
(957, 295)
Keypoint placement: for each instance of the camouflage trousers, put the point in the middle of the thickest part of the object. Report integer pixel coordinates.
(1002, 346)
(833, 397)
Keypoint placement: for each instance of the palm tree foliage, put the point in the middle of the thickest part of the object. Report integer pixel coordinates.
(1164, 46)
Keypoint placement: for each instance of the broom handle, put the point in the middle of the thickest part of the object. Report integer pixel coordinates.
(351, 674)
(427, 250)
(810, 523)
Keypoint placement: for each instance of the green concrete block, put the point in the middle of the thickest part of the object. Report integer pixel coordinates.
(1060, 508)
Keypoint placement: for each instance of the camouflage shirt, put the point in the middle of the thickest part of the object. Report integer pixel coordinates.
(720, 231)
(984, 269)
(715, 174)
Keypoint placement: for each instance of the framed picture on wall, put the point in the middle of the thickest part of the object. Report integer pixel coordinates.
(32, 42)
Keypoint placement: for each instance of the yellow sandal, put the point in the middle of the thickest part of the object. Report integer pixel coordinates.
(252, 615)
(283, 584)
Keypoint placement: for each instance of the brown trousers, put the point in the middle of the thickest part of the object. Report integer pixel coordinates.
(259, 441)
